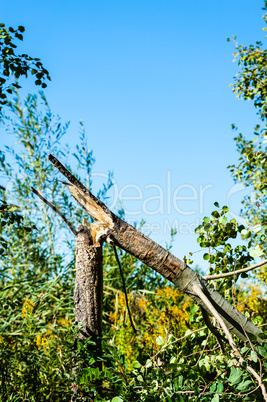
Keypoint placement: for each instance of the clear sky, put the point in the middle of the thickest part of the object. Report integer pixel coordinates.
(150, 79)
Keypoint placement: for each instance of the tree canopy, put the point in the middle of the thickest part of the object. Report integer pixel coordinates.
(13, 66)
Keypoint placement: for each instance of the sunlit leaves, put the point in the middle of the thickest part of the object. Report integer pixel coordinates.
(262, 350)
(13, 66)
(236, 375)
(256, 252)
(251, 171)
(159, 341)
(215, 234)
(251, 82)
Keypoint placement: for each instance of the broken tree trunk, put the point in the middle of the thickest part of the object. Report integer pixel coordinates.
(88, 300)
(88, 291)
(146, 250)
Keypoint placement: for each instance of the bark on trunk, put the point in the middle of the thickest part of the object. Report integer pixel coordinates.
(88, 299)
(146, 250)
(88, 292)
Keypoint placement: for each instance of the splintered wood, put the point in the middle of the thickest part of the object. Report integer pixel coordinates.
(90, 206)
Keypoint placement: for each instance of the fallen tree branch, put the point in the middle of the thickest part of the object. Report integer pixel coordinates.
(236, 352)
(239, 271)
(152, 254)
(213, 329)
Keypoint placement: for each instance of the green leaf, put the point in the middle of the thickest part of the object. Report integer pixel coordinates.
(19, 36)
(216, 398)
(244, 349)
(215, 214)
(187, 332)
(223, 220)
(220, 387)
(216, 204)
(206, 256)
(213, 387)
(227, 248)
(254, 356)
(173, 360)
(194, 309)
(244, 385)
(159, 341)
(256, 228)
(137, 365)
(148, 363)
(248, 235)
(257, 252)
(262, 350)
(207, 227)
(235, 375)
(117, 399)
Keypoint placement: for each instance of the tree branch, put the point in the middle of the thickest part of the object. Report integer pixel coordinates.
(239, 271)
(55, 209)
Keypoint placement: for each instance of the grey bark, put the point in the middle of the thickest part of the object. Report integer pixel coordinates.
(88, 298)
(88, 292)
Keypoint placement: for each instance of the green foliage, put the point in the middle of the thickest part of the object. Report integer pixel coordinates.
(35, 317)
(251, 171)
(178, 371)
(251, 81)
(37, 257)
(13, 66)
(8, 216)
(215, 234)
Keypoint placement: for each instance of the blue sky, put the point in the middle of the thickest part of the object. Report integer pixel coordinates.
(150, 80)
